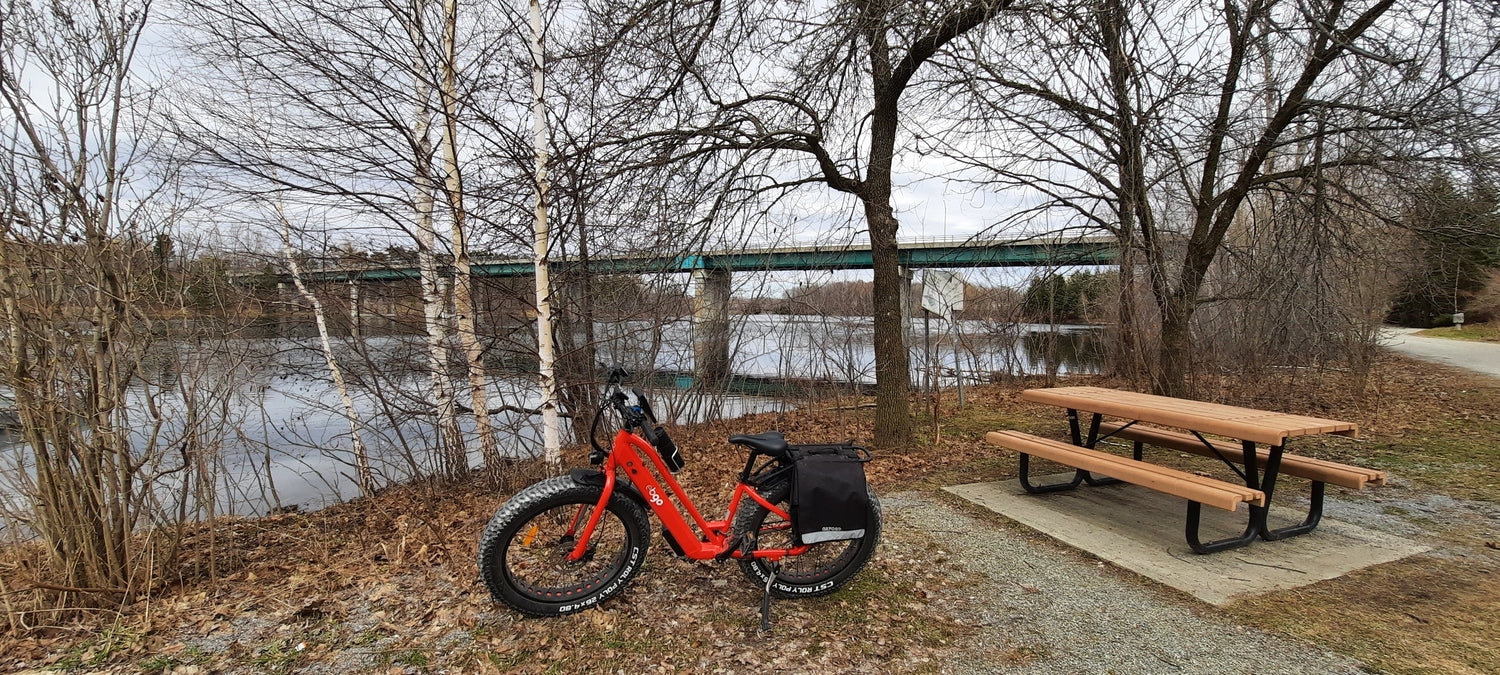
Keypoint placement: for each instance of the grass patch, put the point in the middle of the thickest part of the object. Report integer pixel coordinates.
(158, 664)
(414, 657)
(1419, 615)
(1481, 332)
(1457, 459)
(113, 641)
(277, 656)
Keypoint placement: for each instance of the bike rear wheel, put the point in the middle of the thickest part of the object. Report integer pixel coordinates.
(823, 569)
(523, 551)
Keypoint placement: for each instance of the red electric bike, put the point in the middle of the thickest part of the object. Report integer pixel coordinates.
(571, 542)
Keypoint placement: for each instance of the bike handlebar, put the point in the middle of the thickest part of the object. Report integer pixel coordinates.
(640, 415)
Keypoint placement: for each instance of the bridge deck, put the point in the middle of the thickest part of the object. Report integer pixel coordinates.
(944, 254)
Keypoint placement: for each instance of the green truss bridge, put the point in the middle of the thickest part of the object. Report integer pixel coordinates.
(1034, 252)
(713, 270)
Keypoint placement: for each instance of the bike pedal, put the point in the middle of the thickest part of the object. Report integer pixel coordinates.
(736, 545)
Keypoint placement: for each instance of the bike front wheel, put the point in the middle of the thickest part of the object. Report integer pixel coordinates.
(823, 569)
(523, 551)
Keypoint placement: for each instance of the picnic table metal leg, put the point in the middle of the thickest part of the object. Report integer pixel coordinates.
(1252, 530)
(1025, 478)
(1256, 525)
(1252, 466)
(1093, 439)
(1314, 509)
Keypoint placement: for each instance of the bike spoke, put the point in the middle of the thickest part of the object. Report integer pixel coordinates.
(537, 561)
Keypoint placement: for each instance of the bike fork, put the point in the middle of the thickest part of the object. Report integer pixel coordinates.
(581, 547)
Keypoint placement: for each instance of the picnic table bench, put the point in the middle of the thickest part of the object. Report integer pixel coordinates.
(1249, 426)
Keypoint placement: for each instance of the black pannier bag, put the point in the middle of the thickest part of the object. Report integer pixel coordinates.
(829, 498)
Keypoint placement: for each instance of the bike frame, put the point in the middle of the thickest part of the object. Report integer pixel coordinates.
(637, 458)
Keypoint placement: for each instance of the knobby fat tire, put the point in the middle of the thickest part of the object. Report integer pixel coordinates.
(533, 501)
(822, 581)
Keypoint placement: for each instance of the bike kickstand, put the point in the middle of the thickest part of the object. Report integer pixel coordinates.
(765, 600)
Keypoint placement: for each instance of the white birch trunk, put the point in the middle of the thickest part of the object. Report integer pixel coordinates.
(361, 456)
(463, 280)
(454, 454)
(546, 355)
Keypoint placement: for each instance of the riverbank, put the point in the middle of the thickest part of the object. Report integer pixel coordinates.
(389, 582)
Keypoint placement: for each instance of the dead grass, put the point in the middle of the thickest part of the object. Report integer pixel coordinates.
(1420, 615)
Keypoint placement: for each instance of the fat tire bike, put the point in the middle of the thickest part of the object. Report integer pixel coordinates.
(568, 543)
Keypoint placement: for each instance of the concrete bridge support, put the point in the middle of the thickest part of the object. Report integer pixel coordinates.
(356, 311)
(711, 324)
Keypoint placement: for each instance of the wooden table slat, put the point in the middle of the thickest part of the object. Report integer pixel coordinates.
(1248, 424)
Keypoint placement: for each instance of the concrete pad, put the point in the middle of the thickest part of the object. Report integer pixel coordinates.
(1142, 530)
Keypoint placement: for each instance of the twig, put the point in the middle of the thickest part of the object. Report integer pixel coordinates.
(64, 589)
(508, 408)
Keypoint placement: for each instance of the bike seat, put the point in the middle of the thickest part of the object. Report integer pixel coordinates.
(769, 443)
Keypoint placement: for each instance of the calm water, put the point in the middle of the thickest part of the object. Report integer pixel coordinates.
(283, 437)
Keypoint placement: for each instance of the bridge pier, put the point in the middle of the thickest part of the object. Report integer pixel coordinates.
(356, 311)
(711, 324)
(285, 309)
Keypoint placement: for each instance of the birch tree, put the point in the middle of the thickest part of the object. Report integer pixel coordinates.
(546, 351)
(369, 111)
(463, 277)
(364, 478)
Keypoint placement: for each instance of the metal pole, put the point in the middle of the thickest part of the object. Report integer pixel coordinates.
(927, 351)
(958, 362)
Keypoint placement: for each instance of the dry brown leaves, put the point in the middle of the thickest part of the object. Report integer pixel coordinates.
(388, 584)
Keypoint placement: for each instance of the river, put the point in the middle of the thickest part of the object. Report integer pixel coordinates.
(282, 439)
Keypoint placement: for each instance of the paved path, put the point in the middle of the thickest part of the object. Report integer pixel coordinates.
(1479, 357)
(1045, 610)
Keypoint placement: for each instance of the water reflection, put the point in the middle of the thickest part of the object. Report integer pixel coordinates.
(283, 439)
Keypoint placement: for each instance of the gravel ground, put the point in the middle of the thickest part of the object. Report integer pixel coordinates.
(1041, 608)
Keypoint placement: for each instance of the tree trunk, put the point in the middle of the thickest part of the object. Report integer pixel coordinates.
(452, 451)
(546, 352)
(892, 370)
(463, 278)
(361, 456)
(892, 379)
(1175, 354)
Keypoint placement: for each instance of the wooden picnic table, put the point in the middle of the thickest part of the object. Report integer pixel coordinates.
(1246, 425)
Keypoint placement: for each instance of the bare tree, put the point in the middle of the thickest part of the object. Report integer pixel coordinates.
(83, 204)
(832, 108)
(365, 480)
(1164, 123)
(364, 105)
(463, 276)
